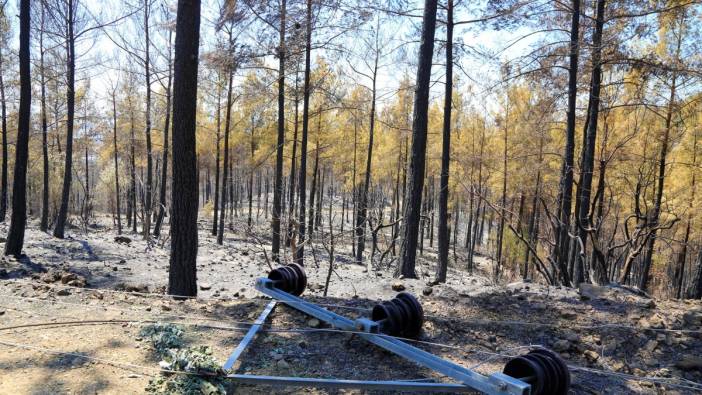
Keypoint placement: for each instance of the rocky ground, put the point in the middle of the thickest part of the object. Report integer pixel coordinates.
(47, 297)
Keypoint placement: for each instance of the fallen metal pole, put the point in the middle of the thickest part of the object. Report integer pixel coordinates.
(496, 383)
(357, 384)
(249, 336)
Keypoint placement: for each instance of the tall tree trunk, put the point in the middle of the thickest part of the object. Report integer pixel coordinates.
(300, 253)
(3, 111)
(225, 175)
(18, 221)
(147, 132)
(693, 190)
(497, 268)
(662, 158)
(182, 272)
(70, 112)
(588, 150)
(164, 168)
(313, 188)
(696, 293)
(446, 152)
(565, 193)
(278, 188)
(293, 163)
(215, 217)
(598, 263)
(361, 221)
(86, 204)
(251, 174)
(419, 143)
(354, 190)
(44, 224)
(132, 169)
(114, 146)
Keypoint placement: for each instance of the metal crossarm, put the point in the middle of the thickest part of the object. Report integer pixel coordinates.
(249, 336)
(395, 385)
(496, 383)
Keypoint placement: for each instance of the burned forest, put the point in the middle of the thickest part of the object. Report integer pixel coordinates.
(350, 196)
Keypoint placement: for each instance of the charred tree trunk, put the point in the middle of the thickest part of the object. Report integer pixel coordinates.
(588, 150)
(225, 175)
(44, 224)
(18, 221)
(182, 272)
(3, 110)
(419, 143)
(114, 146)
(278, 187)
(361, 221)
(446, 152)
(293, 165)
(147, 132)
(70, 113)
(215, 217)
(132, 170)
(565, 193)
(497, 268)
(299, 254)
(313, 188)
(164, 168)
(662, 160)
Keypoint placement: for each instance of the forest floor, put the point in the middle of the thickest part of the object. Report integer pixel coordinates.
(642, 345)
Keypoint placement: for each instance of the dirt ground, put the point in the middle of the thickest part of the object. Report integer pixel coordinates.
(42, 296)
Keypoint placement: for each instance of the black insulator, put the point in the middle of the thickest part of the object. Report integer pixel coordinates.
(547, 373)
(402, 316)
(290, 278)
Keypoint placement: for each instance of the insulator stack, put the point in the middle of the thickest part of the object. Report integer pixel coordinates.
(290, 278)
(547, 373)
(402, 316)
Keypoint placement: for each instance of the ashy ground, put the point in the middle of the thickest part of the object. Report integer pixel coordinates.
(73, 312)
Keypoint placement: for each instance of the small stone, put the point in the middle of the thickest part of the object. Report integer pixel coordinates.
(79, 282)
(689, 362)
(572, 337)
(398, 286)
(427, 291)
(133, 376)
(591, 355)
(653, 322)
(277, 356)
(651, 345)
(692, 319)
(123, 240)
(561, 345)
(66, 277)
(63, 292)
(538, 306)
(282, 364)
(205, 286)
(314, 323)
(164, 365)
(165, 307)
(568, 315)
(2, 312)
